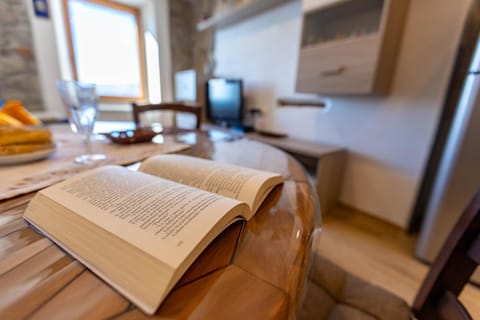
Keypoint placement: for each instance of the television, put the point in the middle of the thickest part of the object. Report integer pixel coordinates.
(224, 101)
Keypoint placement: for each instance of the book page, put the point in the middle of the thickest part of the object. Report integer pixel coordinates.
(227, 180)
(165, 219)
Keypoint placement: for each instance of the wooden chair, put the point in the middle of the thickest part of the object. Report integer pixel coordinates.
(171, 106)
(333, 293)
(452, 269)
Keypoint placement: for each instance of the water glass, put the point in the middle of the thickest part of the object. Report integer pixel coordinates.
(80, 102)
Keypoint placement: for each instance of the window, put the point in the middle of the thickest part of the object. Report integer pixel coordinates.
(106, 47)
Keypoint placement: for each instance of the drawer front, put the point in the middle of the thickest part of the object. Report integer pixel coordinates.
(342, 67)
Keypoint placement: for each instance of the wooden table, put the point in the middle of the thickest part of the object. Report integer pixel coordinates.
(254, 273)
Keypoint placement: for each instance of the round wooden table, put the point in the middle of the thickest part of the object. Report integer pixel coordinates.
(251, 271)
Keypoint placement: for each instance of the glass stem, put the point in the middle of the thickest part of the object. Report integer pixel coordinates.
(88, 143)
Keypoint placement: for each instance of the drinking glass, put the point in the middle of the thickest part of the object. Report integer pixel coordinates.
(80, 102)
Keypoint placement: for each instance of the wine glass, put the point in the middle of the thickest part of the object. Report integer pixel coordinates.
(80, 102)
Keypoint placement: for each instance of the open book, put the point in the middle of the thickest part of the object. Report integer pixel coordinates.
(140, 231)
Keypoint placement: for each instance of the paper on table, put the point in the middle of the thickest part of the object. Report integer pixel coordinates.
(24, 178)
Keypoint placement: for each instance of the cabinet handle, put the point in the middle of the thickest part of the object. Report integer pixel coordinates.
(332, 72)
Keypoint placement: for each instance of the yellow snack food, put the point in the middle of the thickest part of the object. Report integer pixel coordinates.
(24, 135)
(6, 120)
(24, 148)
(16, 110)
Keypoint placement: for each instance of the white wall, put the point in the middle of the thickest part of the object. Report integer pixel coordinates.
(44, 43)
(388, 137)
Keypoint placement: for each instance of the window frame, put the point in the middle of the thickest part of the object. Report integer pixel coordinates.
(141, 46)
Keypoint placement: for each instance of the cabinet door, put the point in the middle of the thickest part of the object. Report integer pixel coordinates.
(349, 46)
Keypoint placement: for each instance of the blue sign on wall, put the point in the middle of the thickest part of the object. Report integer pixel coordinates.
(41, 8)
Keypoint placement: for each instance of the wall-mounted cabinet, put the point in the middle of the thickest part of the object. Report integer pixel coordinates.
(237, 10)
(349, 46)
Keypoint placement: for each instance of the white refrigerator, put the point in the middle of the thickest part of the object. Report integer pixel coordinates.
(457, 172)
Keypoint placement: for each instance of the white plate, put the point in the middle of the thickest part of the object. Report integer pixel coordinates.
(26, 157)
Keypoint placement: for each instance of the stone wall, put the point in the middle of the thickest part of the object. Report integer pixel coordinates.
(18, 70)
(203, 47)
(182, 33)
(192, 49)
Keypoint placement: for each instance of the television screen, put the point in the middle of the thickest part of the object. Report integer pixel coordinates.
(224, 101)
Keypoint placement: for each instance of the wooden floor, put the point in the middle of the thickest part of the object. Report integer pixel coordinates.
(379, 253)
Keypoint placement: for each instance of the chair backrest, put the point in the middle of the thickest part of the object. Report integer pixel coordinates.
(171, 106)
(452, 269)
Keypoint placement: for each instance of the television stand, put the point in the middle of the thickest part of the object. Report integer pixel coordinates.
(325, 164)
